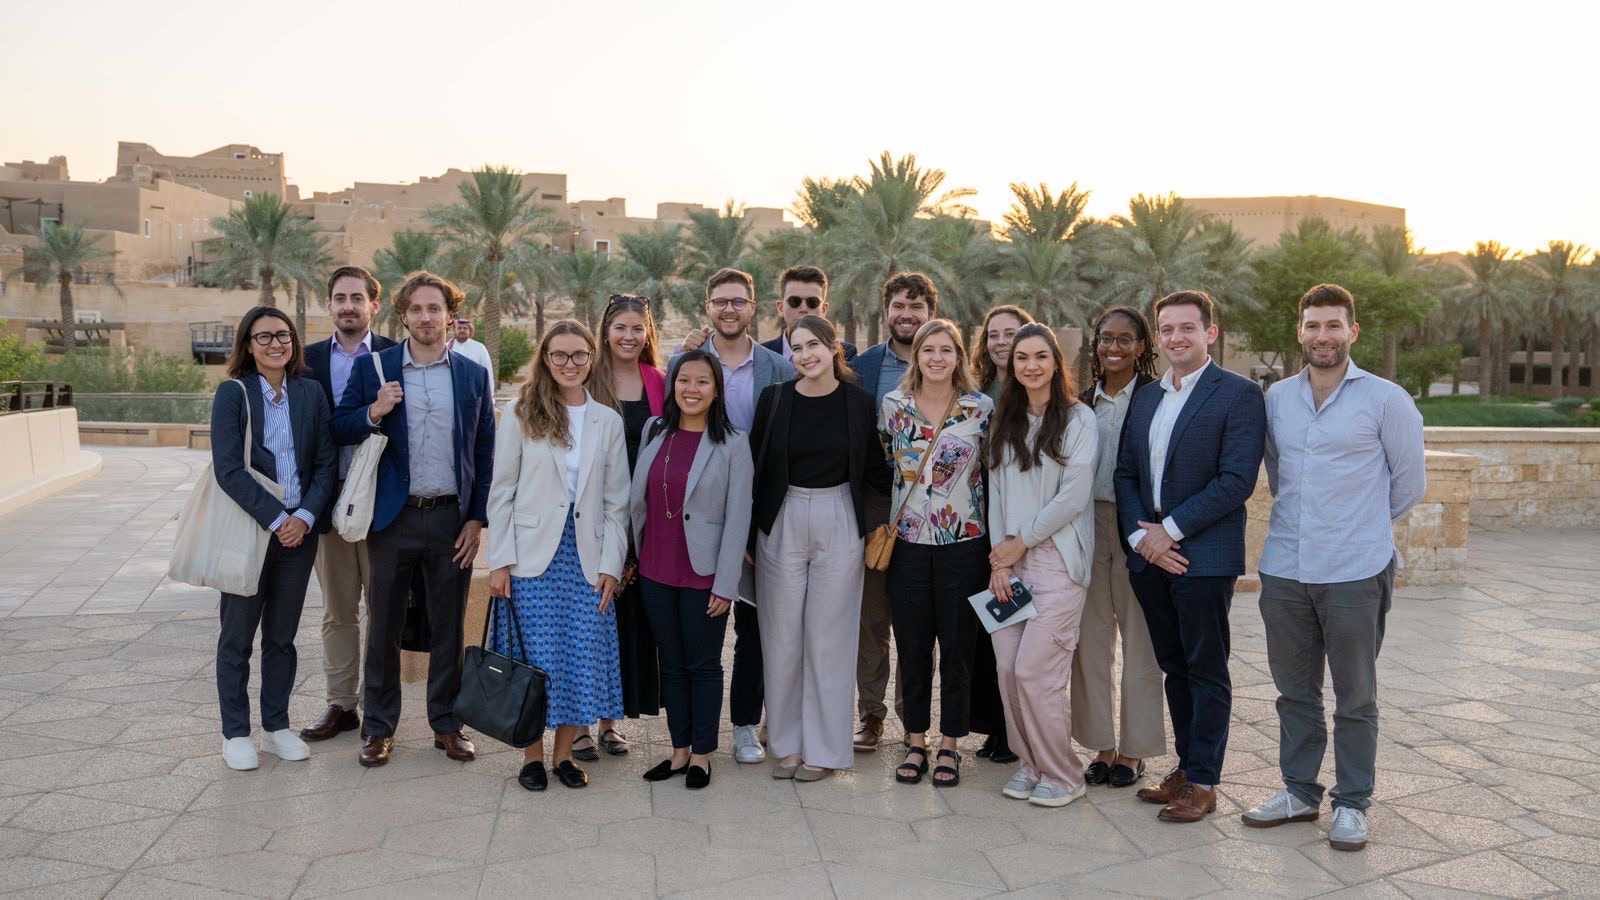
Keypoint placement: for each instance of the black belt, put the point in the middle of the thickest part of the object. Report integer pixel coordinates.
(431, 502)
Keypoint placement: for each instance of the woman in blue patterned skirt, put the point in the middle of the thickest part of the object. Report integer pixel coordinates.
(558, 532)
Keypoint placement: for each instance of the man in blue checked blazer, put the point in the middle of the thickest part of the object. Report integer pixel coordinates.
(1190, 456)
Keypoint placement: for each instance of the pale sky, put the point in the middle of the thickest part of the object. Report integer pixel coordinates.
(1478, 118)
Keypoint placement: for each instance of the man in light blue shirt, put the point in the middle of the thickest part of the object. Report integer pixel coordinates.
(1345, 461)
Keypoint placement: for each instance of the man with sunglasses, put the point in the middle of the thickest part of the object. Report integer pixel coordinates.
(802, 291)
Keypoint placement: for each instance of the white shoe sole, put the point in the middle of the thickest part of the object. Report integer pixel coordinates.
(1016, 794)
(1055, 802)
(750, 760)
(289, 756)
(242, 765)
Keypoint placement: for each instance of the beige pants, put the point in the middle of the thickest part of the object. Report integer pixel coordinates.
(345, 577)
(872, 653)
(1112, 607)
(1034, 662)
(808, 576)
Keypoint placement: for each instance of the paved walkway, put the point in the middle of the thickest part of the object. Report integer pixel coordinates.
(111, 783)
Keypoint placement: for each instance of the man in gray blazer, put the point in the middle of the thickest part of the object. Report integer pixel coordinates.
(747, 369)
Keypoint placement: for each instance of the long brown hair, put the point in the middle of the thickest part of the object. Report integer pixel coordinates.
(983, 368)
(241, 363)
(1008, 430)
(824, 331)
(960, 379)
(540, 408)
(602, 383)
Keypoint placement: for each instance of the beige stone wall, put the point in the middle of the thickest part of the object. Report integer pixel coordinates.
(229, 171)
(37, 443)
(1529, 476)
(1264, 219)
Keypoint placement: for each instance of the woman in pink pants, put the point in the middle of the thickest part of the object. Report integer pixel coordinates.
(1041, 457)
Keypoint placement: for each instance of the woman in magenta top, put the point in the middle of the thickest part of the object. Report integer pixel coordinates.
(691, 519)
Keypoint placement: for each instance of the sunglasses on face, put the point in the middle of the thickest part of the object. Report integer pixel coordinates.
(811, 303)
(264, 338)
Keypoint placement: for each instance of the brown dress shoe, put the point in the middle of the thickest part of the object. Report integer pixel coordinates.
(336, 720)
(375, 751)
(455, 745)
(1190, 804)
(868, 735)
(1166, 790)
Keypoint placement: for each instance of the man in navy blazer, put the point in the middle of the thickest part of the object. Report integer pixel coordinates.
(1191, 452)
(437, 410)
(802, 291)
(342, 566)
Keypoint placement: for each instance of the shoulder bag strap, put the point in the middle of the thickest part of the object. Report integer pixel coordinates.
(249, 431)
(932, 442)
(377, 366)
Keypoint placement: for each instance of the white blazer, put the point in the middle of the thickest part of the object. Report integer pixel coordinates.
(528, 497)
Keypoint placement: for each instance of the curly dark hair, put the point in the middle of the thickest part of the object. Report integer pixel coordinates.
(1146, 363)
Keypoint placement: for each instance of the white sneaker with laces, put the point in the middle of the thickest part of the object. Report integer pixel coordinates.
(1046, 793)
(746, 748)
(1020, 787)
(1279, 809)
(240, 754)
(285, 745)
(1349, 829)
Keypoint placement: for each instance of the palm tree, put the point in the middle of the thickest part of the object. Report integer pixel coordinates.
(263, 241)
(717, 239)
(311, 259)
(1392, 252)
(970, 257)
(1558, 273)
(62, 252)
(583, 277)
(1226, 274)
(1037, 213)
(487, 233)
(655, 260)
(1487, 299)
(1154, 250)
(408, 251)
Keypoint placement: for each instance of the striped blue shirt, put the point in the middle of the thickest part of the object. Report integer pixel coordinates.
(277, 431)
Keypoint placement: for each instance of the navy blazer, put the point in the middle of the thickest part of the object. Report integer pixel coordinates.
(867, 365)
(776, 346)
(316, 457)
(318, 367)
(474, 435)
(1213, 461)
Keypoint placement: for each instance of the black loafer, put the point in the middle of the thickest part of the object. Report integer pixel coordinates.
(532, 776)
(697, 777)
(570, 775)
(586, 753)
(989, 743)
(612, 741)
(663, 770)
(1122, 776)
(1002, 754)
(1097, 773)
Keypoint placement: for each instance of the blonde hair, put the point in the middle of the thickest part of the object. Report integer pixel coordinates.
(960, 378)
(540, 408)
(602, 386)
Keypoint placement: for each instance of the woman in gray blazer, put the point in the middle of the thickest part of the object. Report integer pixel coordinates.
(690, 511)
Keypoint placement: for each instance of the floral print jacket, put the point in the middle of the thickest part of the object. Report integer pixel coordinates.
(946, 503)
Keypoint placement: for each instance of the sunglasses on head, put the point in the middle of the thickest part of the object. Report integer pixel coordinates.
(627, 298)
(812, 303)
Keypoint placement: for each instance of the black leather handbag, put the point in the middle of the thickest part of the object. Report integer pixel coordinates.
(502, 697)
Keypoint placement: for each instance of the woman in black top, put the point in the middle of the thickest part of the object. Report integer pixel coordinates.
(817, 451)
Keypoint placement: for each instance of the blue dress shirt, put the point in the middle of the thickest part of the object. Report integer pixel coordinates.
(277, 431)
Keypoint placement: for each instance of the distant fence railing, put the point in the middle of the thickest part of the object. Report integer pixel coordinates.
(185, 409)
(25, 396)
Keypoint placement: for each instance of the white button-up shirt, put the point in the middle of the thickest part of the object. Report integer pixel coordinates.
(1109, 413)
(1341, 476)
(1173, 398)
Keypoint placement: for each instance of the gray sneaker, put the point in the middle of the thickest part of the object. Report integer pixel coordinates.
(1048, 794)
(1281, 808)
(1349, 829)
(746, 748)
(1020, 787)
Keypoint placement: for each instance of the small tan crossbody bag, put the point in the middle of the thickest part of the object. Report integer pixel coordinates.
(880, 543)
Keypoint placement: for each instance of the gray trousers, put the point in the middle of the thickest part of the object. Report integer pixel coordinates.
(808, 578)
(1339, 626)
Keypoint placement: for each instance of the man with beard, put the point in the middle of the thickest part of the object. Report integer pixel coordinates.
(909, 301)
(1345, 461)
(341, 566)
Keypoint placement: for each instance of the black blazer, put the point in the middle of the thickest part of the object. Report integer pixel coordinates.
(869, 466)
(315, 455)
(776, 346)
(318, 367)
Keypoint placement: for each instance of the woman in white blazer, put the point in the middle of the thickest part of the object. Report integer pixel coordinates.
(558, 532)
(690, 510)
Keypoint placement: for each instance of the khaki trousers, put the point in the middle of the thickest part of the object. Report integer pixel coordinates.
(808, 575)
(1034, 662)
(345, 576)
(872, 653)
(1111, 608)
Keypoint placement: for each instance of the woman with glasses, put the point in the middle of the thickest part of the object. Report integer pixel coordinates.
(625, 377)
(558, 534)
(690, 511)
(289, 442)
(1124, 361)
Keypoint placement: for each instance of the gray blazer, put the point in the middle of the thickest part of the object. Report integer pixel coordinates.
(716, 508)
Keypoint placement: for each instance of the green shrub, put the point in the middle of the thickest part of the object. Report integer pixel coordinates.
(1568, 405)
(19, 360)
(1589, 419)
(515, 351)
(1450, 411)
(98, 370)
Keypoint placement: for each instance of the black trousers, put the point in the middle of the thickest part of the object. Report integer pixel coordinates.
(690, 644)
(1188, 620)
(419, 540)
(747, 686)
(928, 588)
(275, 609)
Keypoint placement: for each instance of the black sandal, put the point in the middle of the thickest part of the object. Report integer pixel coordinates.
(587, 752)
(954, 771)
(613, 743)
(920, 768)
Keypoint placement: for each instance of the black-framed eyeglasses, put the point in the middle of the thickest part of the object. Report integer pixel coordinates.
(264, 338)
(562, 358)
(627, 298)
(736, 303)
(811, 303)
(1120, 341)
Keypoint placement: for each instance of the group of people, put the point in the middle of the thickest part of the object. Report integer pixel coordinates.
(629, 510)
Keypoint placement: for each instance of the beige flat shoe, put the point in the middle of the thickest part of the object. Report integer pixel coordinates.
(785, 768)
(811, 773)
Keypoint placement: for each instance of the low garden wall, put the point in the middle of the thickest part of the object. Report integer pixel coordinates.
(1529, 476)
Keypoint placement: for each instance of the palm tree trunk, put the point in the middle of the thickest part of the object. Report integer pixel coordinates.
(300, 309)
(1558, 355)
(267, 275)
(69, 317)
(1391, 358)
(1487, 369)
(1085, 347)
(1502, 358)
(491, 323)
(538, 318)
(1527, 363)
(1572, 360)
(1594, 370)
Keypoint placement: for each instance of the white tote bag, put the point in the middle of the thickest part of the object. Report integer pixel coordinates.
(218, 544)
(352, 513)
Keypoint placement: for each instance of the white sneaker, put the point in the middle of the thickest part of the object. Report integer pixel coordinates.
(1047, 794)
(240, 754)
(1020, 787)
(285, 745)
(1349, 830)
(1281, 808)
(746, 748)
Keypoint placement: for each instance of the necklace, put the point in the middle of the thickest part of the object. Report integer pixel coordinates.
(666, 466)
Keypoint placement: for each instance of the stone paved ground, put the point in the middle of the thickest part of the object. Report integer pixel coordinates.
(111, 783)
